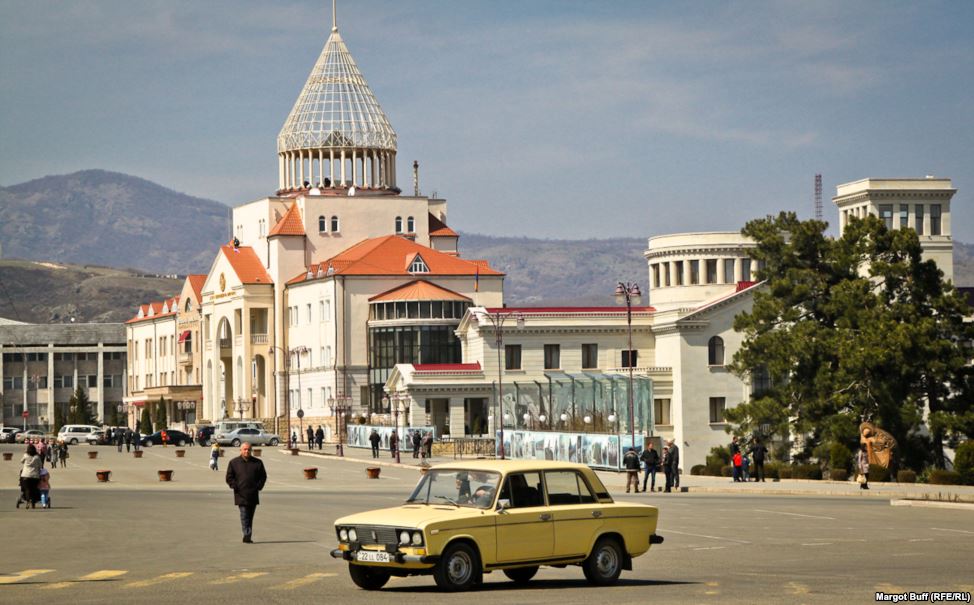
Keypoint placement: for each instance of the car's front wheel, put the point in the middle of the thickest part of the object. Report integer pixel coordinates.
(147, 444)
(368, 578)
(74, 441)
(604, 564)
(521, 575)
(235, 443)
(181, 443)
(458, 568)
(275, 442)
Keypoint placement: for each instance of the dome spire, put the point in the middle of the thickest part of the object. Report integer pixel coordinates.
(337, 135)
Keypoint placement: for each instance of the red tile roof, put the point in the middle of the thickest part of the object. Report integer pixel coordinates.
(439, 229)
(246, 264)
(418, 290)
(290, 223)
(196, 282)
(391, 255)
(156, 308)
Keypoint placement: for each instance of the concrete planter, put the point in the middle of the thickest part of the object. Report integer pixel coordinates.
(295, 451)
(180, 453)
(8, 455)
(165, 475)
(92, 455)
(311, 472)
(137, 453)
(256, 452)
(372, 472)
(103, 476)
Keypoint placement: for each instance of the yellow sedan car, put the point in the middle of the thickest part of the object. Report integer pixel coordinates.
(464, 520)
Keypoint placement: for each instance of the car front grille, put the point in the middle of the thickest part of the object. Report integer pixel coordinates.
(376, 534)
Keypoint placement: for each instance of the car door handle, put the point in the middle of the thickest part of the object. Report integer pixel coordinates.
(546, 516)
(596, 513)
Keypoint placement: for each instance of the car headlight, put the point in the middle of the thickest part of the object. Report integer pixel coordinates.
(353, 535)
(343, 534)
(417, 538)
(404, 537)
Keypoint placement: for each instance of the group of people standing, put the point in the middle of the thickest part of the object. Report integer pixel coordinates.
(124, 437)
(741, 461)
(422, 443)
(651, 462)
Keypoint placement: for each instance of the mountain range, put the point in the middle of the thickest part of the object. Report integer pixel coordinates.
(87, 226)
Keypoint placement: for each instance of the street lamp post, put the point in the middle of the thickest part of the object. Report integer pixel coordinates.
(300, 351)
(339, 408)
(497, 319)
(396, 401)
(242, 405)
(628, 294)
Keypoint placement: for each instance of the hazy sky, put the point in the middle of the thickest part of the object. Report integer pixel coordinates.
(541, 118)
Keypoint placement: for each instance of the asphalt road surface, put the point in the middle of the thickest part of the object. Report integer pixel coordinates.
(136, 539)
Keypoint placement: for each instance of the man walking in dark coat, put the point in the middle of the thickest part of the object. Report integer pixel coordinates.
(311, 438)
(650, 458)
(246, 477)
(758, 452)
(374, 439)
(319, 436)
(417, 440)
(393, 443)
(675, 463)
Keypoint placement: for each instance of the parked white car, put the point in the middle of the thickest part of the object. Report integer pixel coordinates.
(249, 435)
(76, 433)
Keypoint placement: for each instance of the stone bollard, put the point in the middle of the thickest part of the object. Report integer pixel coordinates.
(165, 475)
(103, 476)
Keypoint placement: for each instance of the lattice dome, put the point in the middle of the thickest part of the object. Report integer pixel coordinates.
(336, 108)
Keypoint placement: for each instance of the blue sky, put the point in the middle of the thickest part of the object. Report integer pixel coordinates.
(561, 118)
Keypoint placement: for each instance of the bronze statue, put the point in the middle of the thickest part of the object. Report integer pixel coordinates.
(879, 444)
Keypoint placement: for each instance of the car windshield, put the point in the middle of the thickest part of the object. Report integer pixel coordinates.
(475, 489)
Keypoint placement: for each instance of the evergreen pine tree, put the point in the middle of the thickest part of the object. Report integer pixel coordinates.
(58, 418)
(145, 425)
(161, 415)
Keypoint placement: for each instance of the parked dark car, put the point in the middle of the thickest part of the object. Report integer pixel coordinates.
(175, 438)
(204, 434)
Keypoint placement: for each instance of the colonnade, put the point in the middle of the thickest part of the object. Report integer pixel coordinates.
(367, 168)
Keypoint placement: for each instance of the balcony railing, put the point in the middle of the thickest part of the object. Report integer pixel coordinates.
(185, 358)
(258, 339)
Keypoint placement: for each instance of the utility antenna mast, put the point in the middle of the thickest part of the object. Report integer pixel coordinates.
(818, 197)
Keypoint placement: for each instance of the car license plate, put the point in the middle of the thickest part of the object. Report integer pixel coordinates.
(371, 556)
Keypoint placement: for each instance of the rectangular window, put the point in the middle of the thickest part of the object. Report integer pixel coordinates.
(886, 214)
(661, 411)
(308, 314)
(107, 381)
(934, 219)
(512, 357)
(13, 383)
(711, 270)
(904, 216)
(694, 272)
(590, 356)
(629, 358)
(17, 357)
(729, 271)
(321, 310)
(678, 273)
(41, 382)
(717, 406)
(92, 381)
(918, 218)
(746, 269)
(552, 357)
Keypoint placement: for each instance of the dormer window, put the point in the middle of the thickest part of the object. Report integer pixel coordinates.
(398, 224)
(322, 224)
(418, 265)
(410, 225)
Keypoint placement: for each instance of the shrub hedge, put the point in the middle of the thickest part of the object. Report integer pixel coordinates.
(964, 462)
(942, 477)
(807, 471)
(906, 476)
(784, 472)
(727, 471)
(698, 469)
(838, 474)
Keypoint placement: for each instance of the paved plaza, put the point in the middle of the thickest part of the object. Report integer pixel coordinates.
(138, 539)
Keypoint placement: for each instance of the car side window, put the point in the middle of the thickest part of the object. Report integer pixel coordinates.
(523, 490)
(567, 487)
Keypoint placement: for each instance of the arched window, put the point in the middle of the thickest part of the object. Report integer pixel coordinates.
(334, 225)
(322, 224)
(189, 305)
(715, 351)
(398, 224)
(410, 225)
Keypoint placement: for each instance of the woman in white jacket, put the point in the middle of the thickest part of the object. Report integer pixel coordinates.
(30, 475)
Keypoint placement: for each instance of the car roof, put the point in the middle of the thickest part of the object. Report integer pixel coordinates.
(512, 466)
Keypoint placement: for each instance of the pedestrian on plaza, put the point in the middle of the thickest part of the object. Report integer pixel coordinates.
(666, 468)
(393, 443)
(55, 450)
(650, 458)
(631, 462)
(374, 439)
(417, 440)
(128, 441)
(215, 456)
(675, 463)
(246, 477)
(738, 461)
(63, 455)
(735, 446)
(428, 444)
(311, 438)
(30, 475)
(44, 488)
(319, 436)
(758, 452)
(41, 445)
(119, 439)
(862, 463)
(137, 440)
(745, 468)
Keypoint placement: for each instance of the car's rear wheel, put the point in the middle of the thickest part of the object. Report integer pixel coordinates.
(521, 575)
(368, 578)
(147, 444)
(604, 564)
(74, 441)
(458, 568)
(235, 443)
(275, 442)
(181, 443)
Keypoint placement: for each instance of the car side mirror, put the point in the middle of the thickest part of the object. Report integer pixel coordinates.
(503, 504)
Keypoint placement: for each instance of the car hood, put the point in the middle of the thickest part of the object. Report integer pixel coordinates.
(412, 515)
